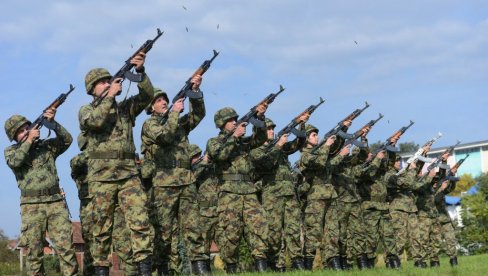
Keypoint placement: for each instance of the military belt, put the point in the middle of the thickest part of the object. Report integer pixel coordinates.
(41, 192)
(235, 177)
(185, 164)
(271, 178)
(112, 155)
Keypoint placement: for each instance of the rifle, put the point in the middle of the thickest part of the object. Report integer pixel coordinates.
(450, 175)
(420, 154)
(340, 129)
(353, 140)
(63, 194)
(438, 160)
(388, 145)
(291, 125)
(41, 120)
(125, 71)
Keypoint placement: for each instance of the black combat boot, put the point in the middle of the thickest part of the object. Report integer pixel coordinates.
(453, 261)
(199, 268)
(209, 266)
(260, 265)
(394, 262)
(308, 263)
(101, 270)
(344, 264)
(145, 267)
(231, 268)
(362, 262)
(272, 265)
(371, 262)
(435, 264)
(163, 269)
(420, 264)
(334, 263)
(298, 264)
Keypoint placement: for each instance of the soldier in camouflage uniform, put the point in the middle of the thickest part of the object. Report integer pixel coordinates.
(238, 208)
(41, 202)
(165, 143)
(316, 167)
(112, 172)
(279, 200)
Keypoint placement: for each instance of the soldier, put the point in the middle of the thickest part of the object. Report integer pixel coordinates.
(32, 160)
(165, 143)
(278, 196)
(239, 210)
(112, 172)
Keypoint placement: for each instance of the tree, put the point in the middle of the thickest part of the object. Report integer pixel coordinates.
(466, 181)
(6, 255)
(405, 147)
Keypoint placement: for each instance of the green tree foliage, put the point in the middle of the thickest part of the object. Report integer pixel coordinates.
(6, 255)
(405, 147)
(466, 181)
(474, 235)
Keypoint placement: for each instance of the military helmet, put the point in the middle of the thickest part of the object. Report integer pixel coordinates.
(157, 93)
(309, 128)
(13, 124)
(93, 76)
(223, 115)
(194, 150)
(269, 123)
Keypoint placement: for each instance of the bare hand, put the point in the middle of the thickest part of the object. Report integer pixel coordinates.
(49, 114)
(304, 117)
(196, 81)
(345, 150)
(347, 123)
(432, 173)
(115, 87)
(330, 140)
(444, 185)
(33, 135)
(179, 105)
(240, 130)
(261, 109)
(205, 158)
(283, 139)
(380, 155)
(445, 156)
(139, 60)
(413, 165)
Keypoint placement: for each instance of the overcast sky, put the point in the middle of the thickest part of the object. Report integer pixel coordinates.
(424, 61)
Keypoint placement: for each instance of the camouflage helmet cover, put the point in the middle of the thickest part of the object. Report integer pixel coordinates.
(157, 93)
(194, 150)
(93, 76)
(269, 123)
(13, 124)
(223, 115)
(310, 128)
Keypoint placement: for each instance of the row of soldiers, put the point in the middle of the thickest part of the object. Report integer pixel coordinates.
(339, 202)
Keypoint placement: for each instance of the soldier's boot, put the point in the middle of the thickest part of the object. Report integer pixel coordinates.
(394, 262)
(362, 262)
(272, 265)
(209, 266)
(334, 263)
(281, 269)
(145, 267)
(298, 264)
(101, 270)
(199, 268)
(371, 262)
(231, 268)
(344, 264)
(453, 261)
(260, 265)
(163, 269)
(308, 263)
(420, 264)
(435, 264)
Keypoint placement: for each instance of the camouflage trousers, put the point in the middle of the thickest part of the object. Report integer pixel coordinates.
(351, 239)
(209, 220)
(37, 218)
(178, 206)
(314, 220)
(377, 226)
(284, 220)
(445, 232)
(425, 231)
(404, 225)
(241, 214)
(131, 198)
(86, 226)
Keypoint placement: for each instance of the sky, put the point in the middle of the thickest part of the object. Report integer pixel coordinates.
(424, 61)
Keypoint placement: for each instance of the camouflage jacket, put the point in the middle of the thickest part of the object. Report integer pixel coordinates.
(440, 203)
(35, 168)
(166, 144)
(233, 164)
(79, 170)
(317, 170)
(426, 199)
(108, 129)
(208, 188)
(346, 178)
(401, 190)
(274, 169)
(376, 196)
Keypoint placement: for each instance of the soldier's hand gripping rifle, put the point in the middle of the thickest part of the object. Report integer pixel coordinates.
(41, 120)
(362, 131)
(340, 129)
(389, 144)
(438, 160)
(125, 71)
(290, 128)
(451, 175)
(420, 154)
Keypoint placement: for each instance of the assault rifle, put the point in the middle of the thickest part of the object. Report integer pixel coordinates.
(420, 154)
(125, 71)
(450, 175)
(354, 139)
(41, 120)
(340, 129)
(290, 128)
(389, 144)
(438, 160)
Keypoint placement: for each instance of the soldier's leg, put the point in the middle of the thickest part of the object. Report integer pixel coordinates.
(255, 222)
(274, 207)
(371, 219)
(189, 215)
(33, 235)
(435, 240)
(314, 227)
(330, 242)
(355, 236)
(413, 236)
(121, 242)
(132, 200)
(86, 225)
(422, 234)
(230, 226)
(449, 234)
(399, 224)
(292, 232)
(389, 241)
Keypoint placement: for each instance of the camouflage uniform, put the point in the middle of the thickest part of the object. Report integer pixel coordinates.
(165, 143)
(41, 202)
(446, 225)
(112, 172)
(279, 201)
(238, 208)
